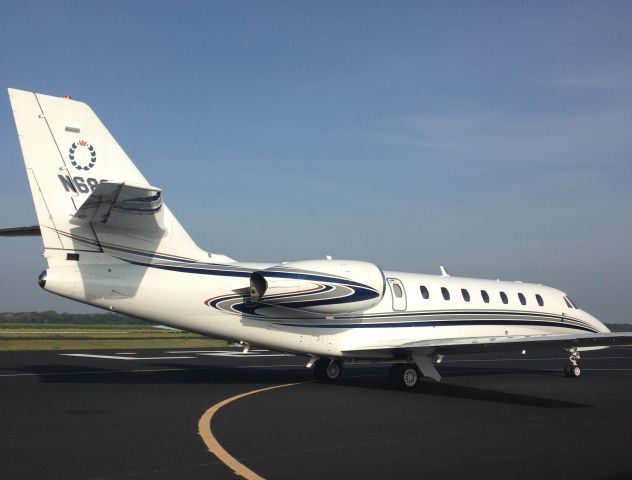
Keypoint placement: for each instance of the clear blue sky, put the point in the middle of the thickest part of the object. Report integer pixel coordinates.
(493, 137)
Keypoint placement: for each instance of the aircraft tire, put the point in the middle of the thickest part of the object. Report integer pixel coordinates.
(572, 371)
(404, 376)
(327, 370)
(410, 376)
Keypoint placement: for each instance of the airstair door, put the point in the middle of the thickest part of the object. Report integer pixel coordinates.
(398, 293)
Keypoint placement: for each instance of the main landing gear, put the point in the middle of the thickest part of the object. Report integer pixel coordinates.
(572, 369)
(327, 370)
(419, 365)
(404, 375)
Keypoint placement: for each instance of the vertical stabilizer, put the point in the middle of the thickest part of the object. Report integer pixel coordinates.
(68, 152)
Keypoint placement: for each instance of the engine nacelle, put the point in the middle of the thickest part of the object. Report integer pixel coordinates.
(319, 286)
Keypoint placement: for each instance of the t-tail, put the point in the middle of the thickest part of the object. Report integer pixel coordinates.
(93, 205)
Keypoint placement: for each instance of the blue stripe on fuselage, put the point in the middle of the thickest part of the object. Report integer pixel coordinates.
(441, 323)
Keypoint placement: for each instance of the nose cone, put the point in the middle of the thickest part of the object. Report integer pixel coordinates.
(41, 280)
(596, 323)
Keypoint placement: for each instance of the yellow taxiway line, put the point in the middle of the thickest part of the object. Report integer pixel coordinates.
(205, 431)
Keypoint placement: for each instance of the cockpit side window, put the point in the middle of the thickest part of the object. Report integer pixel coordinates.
(570, 303)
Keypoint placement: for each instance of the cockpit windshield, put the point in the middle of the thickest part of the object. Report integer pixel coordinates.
(570, 303)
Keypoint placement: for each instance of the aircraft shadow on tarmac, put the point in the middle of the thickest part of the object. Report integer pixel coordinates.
(366, 378)
(451, 390)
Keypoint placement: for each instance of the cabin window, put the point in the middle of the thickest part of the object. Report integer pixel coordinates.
(466, 295)
(485, 296)
(397, 290)
(445, 293)
(538, 298)
(424, 292)
(503, 297)
(523, 301)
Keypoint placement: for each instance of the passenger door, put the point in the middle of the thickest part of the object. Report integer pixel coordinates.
(398, 293)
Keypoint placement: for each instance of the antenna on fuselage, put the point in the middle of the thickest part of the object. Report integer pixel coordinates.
(444, 272)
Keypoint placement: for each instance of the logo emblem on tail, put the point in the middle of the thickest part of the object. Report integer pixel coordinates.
(82, 160)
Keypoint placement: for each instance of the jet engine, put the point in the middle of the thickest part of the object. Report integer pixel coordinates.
(319, 286)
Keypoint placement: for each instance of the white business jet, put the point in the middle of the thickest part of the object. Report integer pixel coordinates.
(110, 241)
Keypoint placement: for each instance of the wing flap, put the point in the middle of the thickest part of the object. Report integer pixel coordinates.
(123, 206)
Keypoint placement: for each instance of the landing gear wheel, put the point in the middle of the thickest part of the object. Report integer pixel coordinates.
(328, 370)
(410, 376)
(572, 371)
(404, 375)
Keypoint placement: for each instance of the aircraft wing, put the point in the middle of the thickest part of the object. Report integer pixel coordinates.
(32, 231)
(123, 206)
(496, 344)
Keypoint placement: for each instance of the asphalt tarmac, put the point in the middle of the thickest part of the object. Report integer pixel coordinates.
(129, 415)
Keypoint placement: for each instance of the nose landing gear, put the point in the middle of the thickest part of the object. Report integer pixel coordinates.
(572, 369)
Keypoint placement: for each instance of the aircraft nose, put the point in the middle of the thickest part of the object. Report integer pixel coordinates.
(601, 327)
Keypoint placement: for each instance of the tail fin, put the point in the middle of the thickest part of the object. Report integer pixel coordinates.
(70, 157)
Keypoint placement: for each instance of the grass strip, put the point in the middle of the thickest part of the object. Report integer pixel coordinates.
(122, 345)
(17, 337)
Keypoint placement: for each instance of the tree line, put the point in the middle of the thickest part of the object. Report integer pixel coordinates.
(52, 317)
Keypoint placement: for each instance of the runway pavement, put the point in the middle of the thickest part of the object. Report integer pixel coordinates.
(110, 415)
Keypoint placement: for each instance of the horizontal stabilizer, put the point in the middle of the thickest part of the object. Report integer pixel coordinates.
(33, 231)
(123, 206)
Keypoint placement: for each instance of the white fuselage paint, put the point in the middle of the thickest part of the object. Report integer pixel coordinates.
(110, 241)
(178, 299)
